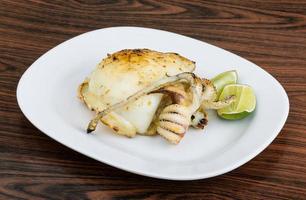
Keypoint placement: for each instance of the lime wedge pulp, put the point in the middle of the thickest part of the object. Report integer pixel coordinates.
(243, 105)
(223, 79)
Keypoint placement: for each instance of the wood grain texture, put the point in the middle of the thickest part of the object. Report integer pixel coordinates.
(270, 33)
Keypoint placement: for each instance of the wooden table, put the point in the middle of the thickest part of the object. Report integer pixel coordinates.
(271, 34)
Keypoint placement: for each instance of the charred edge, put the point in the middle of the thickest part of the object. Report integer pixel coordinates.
(92, 125)
(172, 142)
(137, 50)
(206, 81)
(203, 121)
(179, 134)
(89, 130)
(203, 87)
(200, 126)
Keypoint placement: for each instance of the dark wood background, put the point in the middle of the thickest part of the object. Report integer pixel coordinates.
(270, 33)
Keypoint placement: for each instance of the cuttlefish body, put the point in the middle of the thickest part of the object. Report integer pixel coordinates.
(148, 92)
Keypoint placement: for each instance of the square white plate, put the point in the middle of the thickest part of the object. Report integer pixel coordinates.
(47, 95)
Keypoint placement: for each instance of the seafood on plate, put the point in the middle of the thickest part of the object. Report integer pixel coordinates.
(141, 91)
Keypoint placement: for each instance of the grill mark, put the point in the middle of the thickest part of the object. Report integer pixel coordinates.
(165, 128)
(176, 133)
(174, 112)
(167, 120)
(168, 138)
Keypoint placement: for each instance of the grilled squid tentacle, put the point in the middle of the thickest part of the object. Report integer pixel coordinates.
(173, 122)
(199, 119)
(187, 76)
(209, 97)
(210, 92)
(218, 104)
(175, 97)
(175, 118)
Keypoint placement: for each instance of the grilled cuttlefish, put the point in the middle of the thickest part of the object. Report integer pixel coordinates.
(148, 92)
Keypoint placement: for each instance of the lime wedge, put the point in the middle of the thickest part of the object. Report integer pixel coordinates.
(223, 79)
(243, 105)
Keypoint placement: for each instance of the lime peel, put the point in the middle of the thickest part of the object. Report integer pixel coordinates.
(223, 79)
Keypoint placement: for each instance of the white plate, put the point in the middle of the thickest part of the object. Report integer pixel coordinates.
(47, 96)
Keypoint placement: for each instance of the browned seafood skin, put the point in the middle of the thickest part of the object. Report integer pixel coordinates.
(139, 68)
